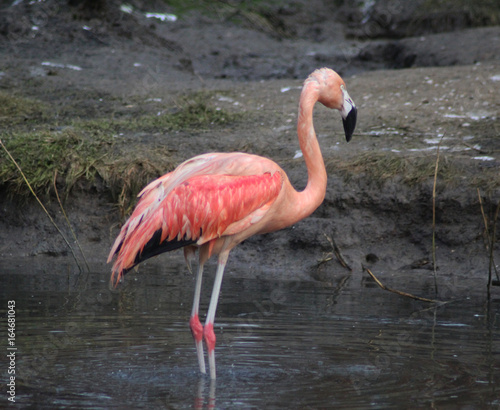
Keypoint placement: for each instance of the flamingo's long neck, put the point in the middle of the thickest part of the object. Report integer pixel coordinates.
(314, 193)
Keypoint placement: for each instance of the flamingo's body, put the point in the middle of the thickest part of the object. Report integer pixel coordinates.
(215, 201)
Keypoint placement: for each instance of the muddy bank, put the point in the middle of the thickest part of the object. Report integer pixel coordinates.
(378, 206)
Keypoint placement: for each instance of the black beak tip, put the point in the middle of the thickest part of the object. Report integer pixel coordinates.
(350, 123)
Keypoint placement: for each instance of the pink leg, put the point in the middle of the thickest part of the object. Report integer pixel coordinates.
(208, 331)
(194, 322)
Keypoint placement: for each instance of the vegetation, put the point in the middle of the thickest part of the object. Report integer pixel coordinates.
(17, 110)
(382, 166)
(103, 152)
(191, 113)
(413, 169)
(88, 151)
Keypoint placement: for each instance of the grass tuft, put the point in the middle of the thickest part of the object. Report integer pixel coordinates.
(41, 155)
(92, 151)
(76, 159)
(381, 166)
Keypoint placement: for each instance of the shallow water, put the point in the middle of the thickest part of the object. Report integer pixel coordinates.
(279, 343)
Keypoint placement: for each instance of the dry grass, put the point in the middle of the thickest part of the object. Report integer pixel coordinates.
(127, 173)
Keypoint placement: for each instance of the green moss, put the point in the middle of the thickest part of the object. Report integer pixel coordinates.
(87, 152)
(71, 158)
(42, 155)
(190, 112)
(16, 110)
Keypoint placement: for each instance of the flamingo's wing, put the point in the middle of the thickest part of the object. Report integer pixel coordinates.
(153, 194)
(197, 210)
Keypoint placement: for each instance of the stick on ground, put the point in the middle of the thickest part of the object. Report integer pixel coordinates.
(337, 252)
(398, 292)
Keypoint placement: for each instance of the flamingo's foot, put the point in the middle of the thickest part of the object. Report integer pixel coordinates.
(197, 331)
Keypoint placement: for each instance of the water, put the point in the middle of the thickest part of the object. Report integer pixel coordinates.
(280, 344)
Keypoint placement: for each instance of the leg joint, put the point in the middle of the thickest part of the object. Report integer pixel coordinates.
(209, 335)
(196, 328)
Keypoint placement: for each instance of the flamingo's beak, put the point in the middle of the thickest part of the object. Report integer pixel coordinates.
(349, 114)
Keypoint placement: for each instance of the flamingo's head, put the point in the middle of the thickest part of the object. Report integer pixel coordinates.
(333, 94)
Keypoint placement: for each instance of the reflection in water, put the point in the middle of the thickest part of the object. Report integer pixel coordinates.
(201, 400)
(280, 343)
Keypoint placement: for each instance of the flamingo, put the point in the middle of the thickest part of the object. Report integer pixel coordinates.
(214, 201)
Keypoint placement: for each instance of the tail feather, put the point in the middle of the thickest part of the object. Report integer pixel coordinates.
(153, 247)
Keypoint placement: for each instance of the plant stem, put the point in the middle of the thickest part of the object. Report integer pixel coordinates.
(69, 224)
(434, 216)
(40, 202)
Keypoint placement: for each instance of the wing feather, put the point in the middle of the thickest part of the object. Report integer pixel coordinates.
(196, 210)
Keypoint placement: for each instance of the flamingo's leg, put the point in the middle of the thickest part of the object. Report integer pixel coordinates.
(194, 322)
(208, 331)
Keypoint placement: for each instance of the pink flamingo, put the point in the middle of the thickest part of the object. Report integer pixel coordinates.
(213, 202)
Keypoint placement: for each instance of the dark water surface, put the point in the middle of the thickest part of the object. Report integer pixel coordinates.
(280, 344)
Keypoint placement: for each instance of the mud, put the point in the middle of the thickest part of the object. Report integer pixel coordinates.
(411, 93)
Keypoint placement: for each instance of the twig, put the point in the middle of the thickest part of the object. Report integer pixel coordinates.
(337, 252)
(481, 151)
(492, 246)
(398, 292)
(68, 222)
(434, 216)
(40, 202)
(490, 241)
(485, 220)
(493, 239)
